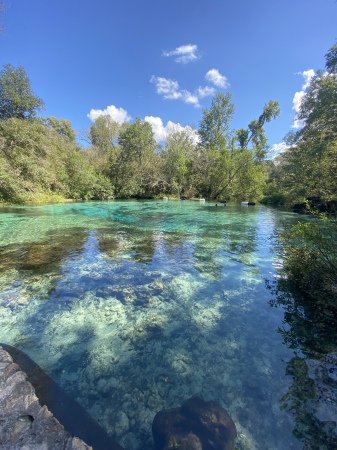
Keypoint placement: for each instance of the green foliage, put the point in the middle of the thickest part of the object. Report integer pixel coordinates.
(16, 97)
(273, 200)
(62, 127)
(311, 259)
(309, 165)
(41, 158)
(176, 162)
(255, 133)
(214, 128)
(137, 156)
(39, 163)
(104, 133)
(331, 60)
(222, 170)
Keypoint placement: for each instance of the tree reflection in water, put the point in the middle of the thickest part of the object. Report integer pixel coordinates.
(310, 328)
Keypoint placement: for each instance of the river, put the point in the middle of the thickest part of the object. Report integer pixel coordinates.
(135, 306)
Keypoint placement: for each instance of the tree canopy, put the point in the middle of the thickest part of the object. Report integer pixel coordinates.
(214, 127)
(17, 99)
(308, 167)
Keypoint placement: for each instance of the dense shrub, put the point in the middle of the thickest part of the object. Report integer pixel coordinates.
(311, 259)
(37, 162)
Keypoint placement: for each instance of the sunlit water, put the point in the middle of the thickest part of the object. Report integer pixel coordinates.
(137, 306)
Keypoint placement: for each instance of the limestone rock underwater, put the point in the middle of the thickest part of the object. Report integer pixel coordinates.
(195, 425)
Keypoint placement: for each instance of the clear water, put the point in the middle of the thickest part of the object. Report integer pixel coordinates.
(136, 306)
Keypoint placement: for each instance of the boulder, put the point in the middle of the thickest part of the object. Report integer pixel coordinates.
(23, 422)
(196, 425)
(24, 386)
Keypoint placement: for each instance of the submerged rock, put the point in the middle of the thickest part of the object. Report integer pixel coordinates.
(196, 425)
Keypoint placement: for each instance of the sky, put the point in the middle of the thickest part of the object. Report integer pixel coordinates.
(163, 61)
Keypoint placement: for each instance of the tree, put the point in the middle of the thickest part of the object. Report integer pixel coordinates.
(214, 126)
(177, 157)
(310, 164)
(137, 152)
(16, 97)
(104, 133)
(62, 127)
(255, 133)
(331, 60)
(227, 171)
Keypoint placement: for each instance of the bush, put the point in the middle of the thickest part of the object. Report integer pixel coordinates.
(39, 163)
(311, 259)
(273, 200)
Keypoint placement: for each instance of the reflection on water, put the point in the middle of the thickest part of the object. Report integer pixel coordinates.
(311, 330)
(137, 306)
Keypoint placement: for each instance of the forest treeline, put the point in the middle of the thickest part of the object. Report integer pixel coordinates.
(41, 160)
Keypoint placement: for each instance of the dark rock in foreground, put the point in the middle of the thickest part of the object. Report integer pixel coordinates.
(66, 410)
(196, 425)
(24, 424)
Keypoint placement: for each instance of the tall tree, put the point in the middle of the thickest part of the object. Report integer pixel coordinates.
(104, 133)
(62, 127)
(310, 164)
(214, 128)
(17, 99)
(255, 134)
(177, 157)
(137, 152)
(331, 60)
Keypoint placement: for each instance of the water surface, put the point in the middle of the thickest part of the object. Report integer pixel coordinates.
(136, 306)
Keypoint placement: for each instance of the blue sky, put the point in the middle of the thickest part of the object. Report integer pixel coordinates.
(163, 60)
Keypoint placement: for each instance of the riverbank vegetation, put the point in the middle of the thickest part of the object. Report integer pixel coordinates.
(40, 158)
(306, 173)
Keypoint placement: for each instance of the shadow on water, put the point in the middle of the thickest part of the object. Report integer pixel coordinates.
(45, 256)
(157, 362)
(310, 329)
(139, 321)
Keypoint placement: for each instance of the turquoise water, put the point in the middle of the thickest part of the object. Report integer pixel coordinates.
(136, 306)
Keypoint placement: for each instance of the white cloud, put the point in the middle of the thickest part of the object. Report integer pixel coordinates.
(298, 97)
(215, 77)
(170, 90)
(190, 98)
(205, 91)
(161, 132)
(184, 54)
(277, 149)
(166, 87)
(117, 114)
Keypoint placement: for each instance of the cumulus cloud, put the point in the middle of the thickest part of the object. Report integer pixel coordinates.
(191, 99)
(161, 132)
(117, 114)
(184, 54)
(170, 90)
(205, 91)
(215, 77)
(166, 87)
(298, 97)
(277, 149)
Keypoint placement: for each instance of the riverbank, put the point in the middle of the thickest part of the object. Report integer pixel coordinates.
(24, 423)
